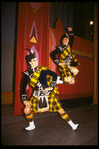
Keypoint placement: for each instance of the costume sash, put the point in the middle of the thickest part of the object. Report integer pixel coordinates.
(36, 75)
(65, 53)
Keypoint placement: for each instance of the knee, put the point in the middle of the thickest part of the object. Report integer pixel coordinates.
(72, 81)
(76, 71)
(67, 79)
(61, 111)
(27, 110)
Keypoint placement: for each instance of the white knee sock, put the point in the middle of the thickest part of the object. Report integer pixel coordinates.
(74, 126)
(31, 126)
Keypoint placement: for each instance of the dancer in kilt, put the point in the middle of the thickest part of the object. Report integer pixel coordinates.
(67, 62)
(45, 94)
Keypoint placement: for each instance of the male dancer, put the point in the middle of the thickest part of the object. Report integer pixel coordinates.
(67, 62)
(45, 95)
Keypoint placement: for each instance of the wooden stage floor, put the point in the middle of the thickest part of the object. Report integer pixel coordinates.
(50, 128)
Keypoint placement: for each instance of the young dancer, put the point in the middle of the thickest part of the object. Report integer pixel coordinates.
(67, 62)
(45, 94)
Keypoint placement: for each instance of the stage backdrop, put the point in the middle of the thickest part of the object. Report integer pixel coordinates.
(34, 34)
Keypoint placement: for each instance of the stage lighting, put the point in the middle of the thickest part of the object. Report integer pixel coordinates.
(91, 22)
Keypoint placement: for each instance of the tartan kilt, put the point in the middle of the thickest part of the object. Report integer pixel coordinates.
(66, 72)
(54, 104)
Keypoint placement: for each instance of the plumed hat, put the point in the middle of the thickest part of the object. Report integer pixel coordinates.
(29, 57)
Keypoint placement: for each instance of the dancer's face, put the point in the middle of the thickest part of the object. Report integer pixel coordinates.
(65, 41)
(34, 63)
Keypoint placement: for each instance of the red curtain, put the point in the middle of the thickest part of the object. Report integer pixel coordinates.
(33, 22)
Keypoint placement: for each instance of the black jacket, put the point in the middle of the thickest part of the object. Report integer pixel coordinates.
(60, 48)
(42, 79)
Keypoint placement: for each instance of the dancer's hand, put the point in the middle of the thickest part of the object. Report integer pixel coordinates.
(48, 89)
(69, 29)
(27, 103)
(62, 64)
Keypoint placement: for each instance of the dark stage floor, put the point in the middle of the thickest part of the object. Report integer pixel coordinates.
(50, 128)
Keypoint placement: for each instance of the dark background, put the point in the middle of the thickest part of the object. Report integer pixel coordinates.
(75, 14)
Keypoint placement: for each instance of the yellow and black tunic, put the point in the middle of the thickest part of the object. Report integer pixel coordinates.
(39, 79)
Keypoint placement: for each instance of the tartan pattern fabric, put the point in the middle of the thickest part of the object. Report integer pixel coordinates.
(36, 75)
(53, 102)
(64, 70)
(29, 116)
(65, 53)
(34, 102)
(49, 80)
(65, 117)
